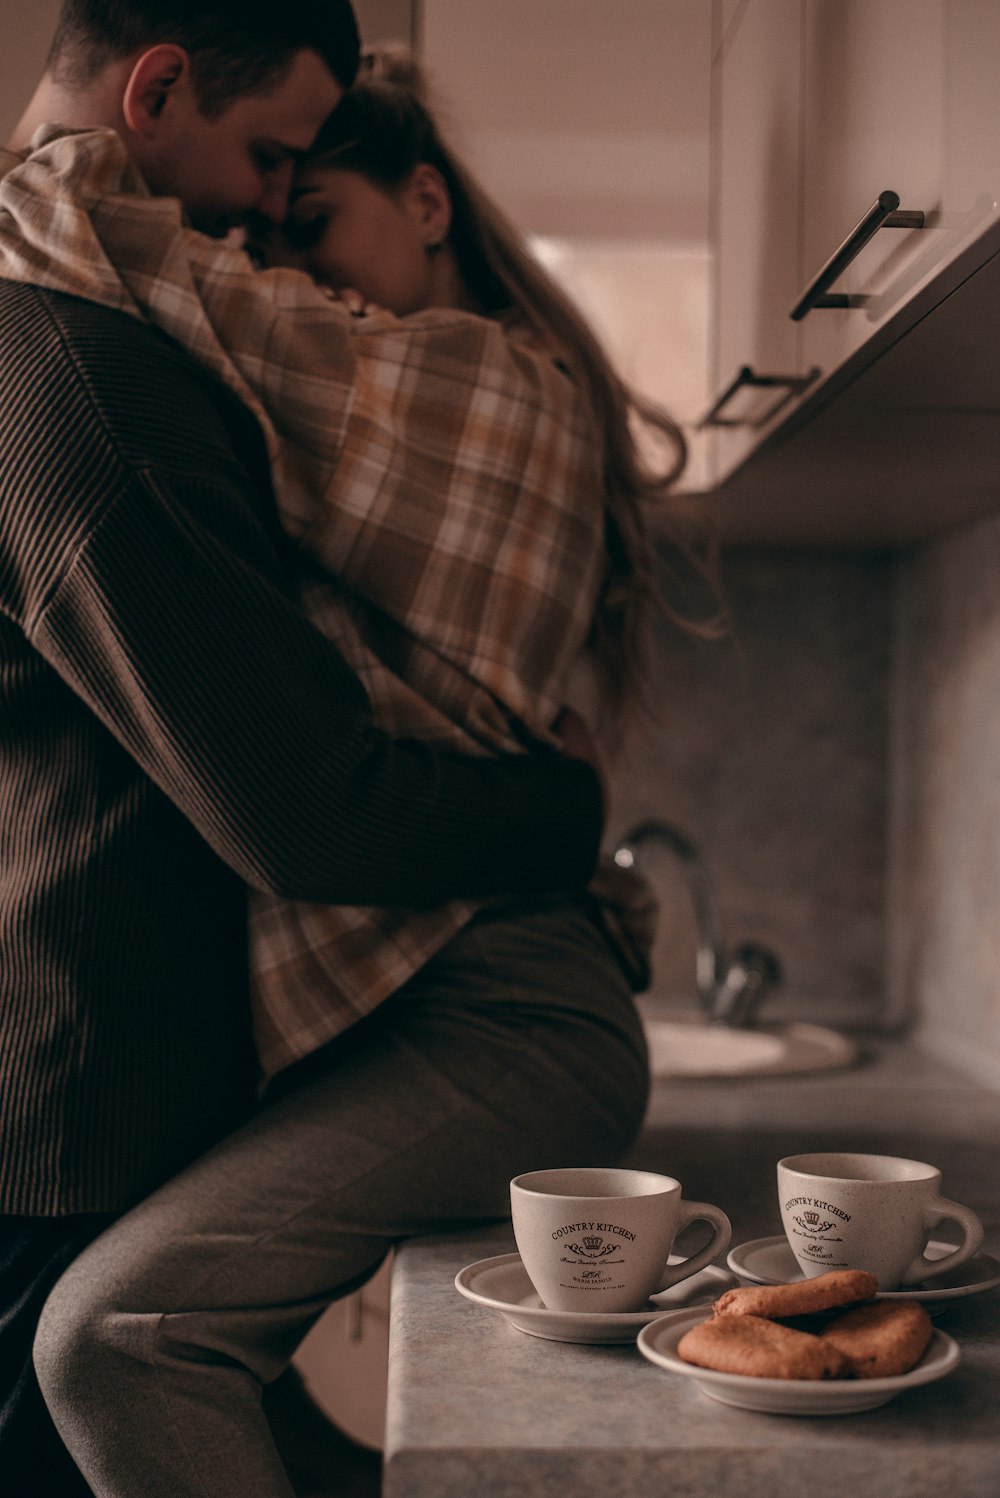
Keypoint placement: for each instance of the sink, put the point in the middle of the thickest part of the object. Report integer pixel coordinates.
(689, 1047)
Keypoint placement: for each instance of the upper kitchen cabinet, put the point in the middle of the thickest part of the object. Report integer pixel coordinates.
(874, 96)
(895, 430)
(756, 171)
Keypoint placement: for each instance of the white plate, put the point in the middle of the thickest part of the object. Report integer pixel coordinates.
(770, 1261)
(502, 1284)
(791, 1396)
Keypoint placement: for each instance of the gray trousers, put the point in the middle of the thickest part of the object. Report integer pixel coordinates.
(517, 1048)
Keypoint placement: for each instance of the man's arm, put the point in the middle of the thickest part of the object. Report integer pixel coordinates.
(155, 590)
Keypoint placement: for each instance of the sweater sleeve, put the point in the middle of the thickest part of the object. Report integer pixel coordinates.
(139, 553)
(246, 716)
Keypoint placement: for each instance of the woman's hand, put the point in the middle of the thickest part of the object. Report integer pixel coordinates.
(352, 300)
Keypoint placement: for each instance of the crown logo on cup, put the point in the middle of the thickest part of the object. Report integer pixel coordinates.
(592, 1241)
(813, 1221)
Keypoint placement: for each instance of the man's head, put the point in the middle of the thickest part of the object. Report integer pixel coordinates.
(215, 99)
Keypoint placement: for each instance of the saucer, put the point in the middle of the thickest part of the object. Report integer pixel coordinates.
(502, 1284)
(791, 1396)
(770, 1261)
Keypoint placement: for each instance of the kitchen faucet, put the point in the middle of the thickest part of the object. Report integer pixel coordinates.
(729, 990)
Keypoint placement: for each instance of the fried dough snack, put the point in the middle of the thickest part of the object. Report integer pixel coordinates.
(840, 1287)
(881, 1339)
(876, 1339)
(758, 1348)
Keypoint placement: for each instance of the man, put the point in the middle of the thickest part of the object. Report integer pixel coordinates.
(173, 730)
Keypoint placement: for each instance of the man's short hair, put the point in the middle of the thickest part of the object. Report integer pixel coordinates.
(236, 46)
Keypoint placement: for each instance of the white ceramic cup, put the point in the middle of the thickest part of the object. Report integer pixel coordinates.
(874, 1212)
(598, 1240)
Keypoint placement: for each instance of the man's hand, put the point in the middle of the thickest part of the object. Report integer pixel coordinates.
(577, 742)
(629, 910)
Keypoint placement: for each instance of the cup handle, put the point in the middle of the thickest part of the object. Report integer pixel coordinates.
(698, 1212)
(940, 1209)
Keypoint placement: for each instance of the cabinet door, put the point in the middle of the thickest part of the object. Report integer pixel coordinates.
(972, 122)
(874, 93)
(757, 81)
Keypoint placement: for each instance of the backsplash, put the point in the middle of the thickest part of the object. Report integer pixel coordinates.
(771, 757)
(836, 759)
(944, 931)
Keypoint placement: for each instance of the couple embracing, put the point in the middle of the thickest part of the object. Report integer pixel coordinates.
(317, 503)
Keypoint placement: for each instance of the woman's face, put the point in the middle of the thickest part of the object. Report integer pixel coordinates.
(348, 233)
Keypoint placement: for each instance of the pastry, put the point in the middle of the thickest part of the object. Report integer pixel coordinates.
(757, 1348)
(882, 1339)
(839, 1287)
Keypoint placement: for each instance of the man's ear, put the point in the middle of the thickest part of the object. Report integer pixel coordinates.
(429, 202)
(157, 75)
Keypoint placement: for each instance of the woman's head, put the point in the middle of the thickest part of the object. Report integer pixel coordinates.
(388, 243)
(379, 204)
(383, 205)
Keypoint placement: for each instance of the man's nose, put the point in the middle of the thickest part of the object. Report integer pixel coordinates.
(273, 203)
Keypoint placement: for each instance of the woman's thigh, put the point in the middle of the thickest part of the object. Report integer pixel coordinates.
(483, 1066)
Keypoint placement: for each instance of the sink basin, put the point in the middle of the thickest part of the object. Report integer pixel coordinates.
(692, 1048)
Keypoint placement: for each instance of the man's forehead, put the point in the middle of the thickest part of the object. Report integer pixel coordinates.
(292, 111)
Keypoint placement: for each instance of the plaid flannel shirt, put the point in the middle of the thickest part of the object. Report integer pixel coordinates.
(436, 470)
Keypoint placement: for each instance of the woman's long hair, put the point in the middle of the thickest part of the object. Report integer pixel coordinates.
(383, 129)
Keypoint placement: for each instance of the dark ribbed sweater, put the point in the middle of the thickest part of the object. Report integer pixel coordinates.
(172, 729)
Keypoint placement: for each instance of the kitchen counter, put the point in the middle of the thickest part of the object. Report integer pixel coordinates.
(477, 1408)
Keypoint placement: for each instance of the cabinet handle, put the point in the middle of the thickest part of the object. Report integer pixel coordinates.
(789, 384)
(882, 214)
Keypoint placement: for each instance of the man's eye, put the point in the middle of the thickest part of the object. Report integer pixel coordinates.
(267, 161)
(302, 234)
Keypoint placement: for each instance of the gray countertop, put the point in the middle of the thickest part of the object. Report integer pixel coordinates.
(477, 1409)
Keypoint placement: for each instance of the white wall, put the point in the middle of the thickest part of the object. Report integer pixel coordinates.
(26, 31)
(588, 118)
(385, 21)
(944, 887)
(588, 121)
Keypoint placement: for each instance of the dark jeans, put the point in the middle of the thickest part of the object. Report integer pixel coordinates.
(34, 1251)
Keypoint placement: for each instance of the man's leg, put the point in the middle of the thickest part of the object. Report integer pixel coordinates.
(34, 1251)
(154, 1347)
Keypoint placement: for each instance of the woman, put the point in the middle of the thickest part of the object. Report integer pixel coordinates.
(385, 217)
(458, 471)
